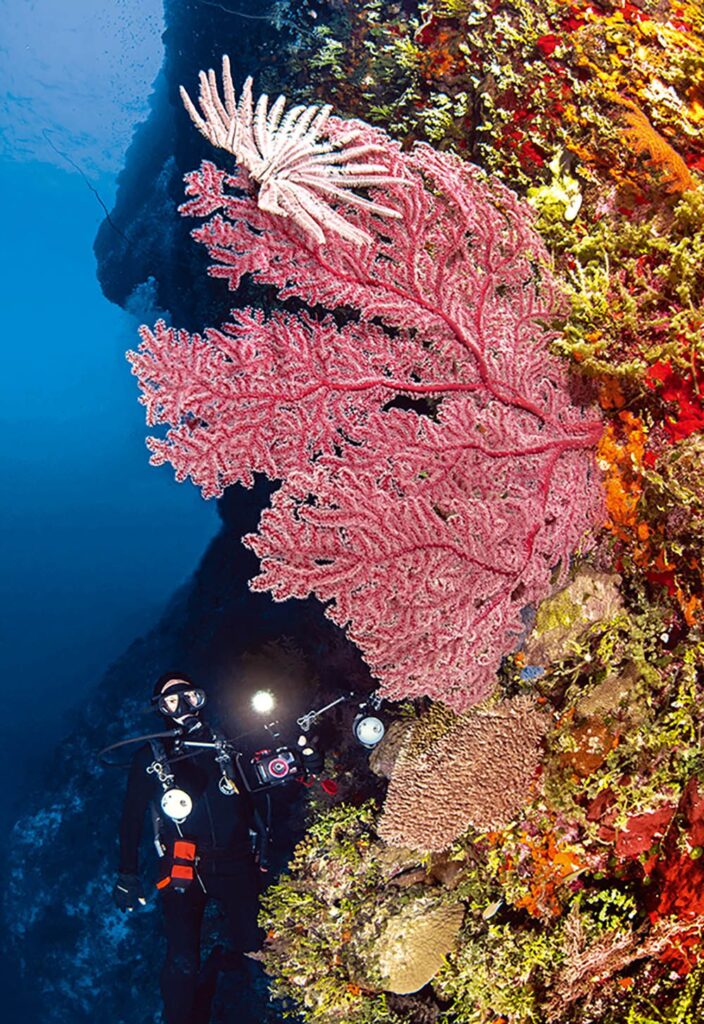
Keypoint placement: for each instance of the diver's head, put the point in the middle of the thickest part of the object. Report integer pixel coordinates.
(177, 698)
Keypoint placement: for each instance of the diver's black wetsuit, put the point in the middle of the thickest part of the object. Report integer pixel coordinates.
(219, 825)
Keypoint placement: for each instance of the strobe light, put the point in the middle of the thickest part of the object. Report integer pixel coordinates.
(263, 702)
(176, 804)
(368, 730)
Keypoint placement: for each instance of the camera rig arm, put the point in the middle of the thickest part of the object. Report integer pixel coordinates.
(372, 702)
(305, 722)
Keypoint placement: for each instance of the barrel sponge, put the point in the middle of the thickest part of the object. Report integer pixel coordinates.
(477, 774)
(414, 943)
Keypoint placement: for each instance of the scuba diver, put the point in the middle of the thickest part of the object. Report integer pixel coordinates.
(204, 825)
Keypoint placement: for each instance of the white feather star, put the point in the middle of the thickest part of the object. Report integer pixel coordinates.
(296, 172)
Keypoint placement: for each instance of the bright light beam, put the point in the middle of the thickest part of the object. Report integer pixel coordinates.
(263, 702)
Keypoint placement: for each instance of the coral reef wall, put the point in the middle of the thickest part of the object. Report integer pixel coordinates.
(576, 894)
(586, 905)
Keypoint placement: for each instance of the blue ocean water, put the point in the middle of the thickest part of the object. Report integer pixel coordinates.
(94, 541)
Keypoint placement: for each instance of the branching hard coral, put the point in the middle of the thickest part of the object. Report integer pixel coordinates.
(297, 174)
(477, 775)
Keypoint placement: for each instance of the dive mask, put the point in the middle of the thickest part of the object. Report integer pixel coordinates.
(179, 700)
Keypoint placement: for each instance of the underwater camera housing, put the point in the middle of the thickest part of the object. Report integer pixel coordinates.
(272, 767)
(286, 764)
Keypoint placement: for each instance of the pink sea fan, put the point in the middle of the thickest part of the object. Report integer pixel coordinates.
(435, 469)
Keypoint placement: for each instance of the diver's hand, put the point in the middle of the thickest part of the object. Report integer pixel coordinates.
(128, 893)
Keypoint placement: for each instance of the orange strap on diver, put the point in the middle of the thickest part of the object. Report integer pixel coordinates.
(182, 866)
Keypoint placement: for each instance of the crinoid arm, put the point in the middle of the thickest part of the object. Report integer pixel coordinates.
(300, 172)
(219, 119)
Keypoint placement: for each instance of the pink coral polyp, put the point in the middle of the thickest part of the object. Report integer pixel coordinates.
(426, 524)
